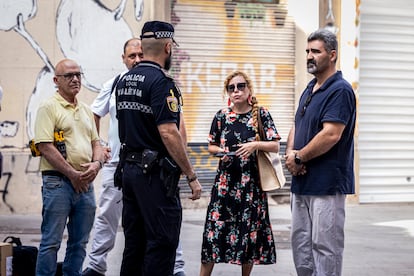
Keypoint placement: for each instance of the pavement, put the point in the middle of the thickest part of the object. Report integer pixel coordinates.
(379, 240)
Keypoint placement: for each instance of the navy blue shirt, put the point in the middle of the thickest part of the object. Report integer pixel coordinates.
(333, 171)
(146, 97)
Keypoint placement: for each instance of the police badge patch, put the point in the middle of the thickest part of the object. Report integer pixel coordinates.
(172, 102)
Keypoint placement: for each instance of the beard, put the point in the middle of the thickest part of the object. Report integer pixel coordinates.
(312, 68)
(167, 64)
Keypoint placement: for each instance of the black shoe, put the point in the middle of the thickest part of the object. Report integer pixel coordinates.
(90, 272)
(180, 273)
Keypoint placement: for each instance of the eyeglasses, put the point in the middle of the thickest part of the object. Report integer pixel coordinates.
(240, 86)
(70, 76)
(307, 102)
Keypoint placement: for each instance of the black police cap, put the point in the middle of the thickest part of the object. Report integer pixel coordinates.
(159, 29)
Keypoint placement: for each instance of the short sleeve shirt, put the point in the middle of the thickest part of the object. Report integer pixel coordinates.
(77, 124)
(228, 129)
(104, 104)
(332, 172)
(146, 97)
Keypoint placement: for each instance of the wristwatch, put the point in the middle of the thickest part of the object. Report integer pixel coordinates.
(191, 179)
(298, 161)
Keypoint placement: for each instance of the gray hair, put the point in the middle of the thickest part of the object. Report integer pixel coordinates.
(329, 39)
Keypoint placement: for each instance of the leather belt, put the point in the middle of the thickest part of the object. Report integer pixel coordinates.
(53, 173)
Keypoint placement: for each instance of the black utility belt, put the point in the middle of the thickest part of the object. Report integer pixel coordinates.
(135, 157)
(146, 159)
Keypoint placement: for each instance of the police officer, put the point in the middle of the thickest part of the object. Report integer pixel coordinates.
(153, 156)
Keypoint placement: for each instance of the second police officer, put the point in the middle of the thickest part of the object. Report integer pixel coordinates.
(153, 156)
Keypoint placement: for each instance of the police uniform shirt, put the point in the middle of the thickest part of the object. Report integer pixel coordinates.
(146, 97)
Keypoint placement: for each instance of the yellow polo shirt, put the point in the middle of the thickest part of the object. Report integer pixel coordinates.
(77, 123)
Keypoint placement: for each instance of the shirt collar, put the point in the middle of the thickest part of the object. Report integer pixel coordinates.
(62, 100)
(327, 83)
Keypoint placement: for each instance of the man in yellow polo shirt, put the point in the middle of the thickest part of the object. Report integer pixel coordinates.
(66, 136)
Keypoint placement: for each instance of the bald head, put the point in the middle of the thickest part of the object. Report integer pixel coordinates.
(68, 79)
(132, 52)
(62, 66)
(133, 42)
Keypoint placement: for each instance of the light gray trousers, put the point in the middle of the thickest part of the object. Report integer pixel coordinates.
(317, 234)
(106, 224)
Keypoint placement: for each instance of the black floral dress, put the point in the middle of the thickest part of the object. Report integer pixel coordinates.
(237, 228)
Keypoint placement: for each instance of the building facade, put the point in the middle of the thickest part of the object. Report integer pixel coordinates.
(265, 38)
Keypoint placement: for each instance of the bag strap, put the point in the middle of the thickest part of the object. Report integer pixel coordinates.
(14, 240)
(112, 90)
(259, 129)
(115, 83)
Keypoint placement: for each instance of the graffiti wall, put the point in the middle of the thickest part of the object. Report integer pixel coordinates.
(215, 37)
(34, 36)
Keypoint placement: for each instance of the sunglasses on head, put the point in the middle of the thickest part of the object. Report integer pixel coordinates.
(240, 86)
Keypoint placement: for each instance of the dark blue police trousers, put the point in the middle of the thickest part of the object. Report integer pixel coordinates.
(151, 222)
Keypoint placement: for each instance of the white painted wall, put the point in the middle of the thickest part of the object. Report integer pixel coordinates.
(306, 16)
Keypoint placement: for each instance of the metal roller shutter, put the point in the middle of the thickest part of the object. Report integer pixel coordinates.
(217, 37)
(386, 101)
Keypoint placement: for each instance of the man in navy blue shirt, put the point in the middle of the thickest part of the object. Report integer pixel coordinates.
(320, 157)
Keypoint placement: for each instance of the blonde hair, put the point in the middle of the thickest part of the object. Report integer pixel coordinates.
(235, 74)
(254, 102)
(255, 116)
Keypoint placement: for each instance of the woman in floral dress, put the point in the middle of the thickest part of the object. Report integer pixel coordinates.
(237, 228)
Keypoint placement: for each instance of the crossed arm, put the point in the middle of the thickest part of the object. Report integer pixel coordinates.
(322, 142)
